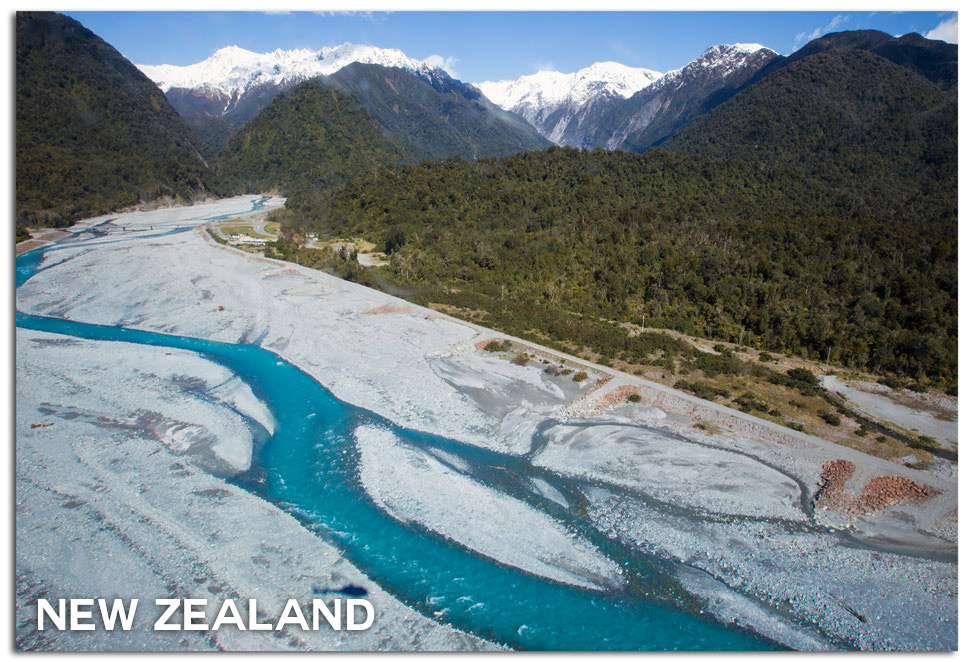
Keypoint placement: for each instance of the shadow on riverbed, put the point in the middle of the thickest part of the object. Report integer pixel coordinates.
(350, 590)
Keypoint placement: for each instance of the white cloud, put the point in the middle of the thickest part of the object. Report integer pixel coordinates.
(447, 64)
(945, 31)
(803, 38)
(374, 16)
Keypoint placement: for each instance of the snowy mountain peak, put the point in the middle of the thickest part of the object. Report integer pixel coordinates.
(536, 94)
(728, 53)
(231, 51)
(232, 70)
(723, 58)
(616, 78)
(572, 108)
(747, 49)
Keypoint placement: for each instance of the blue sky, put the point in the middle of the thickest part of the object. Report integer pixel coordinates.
(493, 45)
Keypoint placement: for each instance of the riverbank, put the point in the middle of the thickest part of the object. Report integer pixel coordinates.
(645, 472)
(123, 456)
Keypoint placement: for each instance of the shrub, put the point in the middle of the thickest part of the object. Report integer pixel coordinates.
(861, 432)
(493, 346)
(718, 364)
(634, 397)
(748, 401)
(580, 376)
(891, 382)
(796, 426)
(924, 442)
(521, 359)
(395, 241)
(803, 375)
(701, 390)
(707, 427)
(830, 418)
(765, 357)
(800, 379)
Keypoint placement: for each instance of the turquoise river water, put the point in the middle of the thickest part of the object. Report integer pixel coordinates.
(309, 467)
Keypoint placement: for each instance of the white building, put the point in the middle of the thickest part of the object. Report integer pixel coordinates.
(246, 239)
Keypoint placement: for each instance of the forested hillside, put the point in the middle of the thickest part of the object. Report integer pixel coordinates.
(93, 133)
(878, 133)
(728, 249)
(934, 60)
(309, 138)
(814, 212)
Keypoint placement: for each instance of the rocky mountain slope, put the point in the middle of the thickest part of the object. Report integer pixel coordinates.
(552, 101)
(612, 106)
(438, 118)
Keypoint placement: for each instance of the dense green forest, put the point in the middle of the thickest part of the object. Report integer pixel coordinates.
(550, 242)
(876, 132)
(93, 133)
(212, 132)
(327, 130)
(934, 60)
(791, 222)
(814, 212)
(309, 138)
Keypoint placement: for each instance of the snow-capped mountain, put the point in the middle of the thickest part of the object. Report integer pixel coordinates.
(608, 105)
(681, 96)
(602, 105)
(537, 96)
(233, 69)
(235, 83)
(722, 60)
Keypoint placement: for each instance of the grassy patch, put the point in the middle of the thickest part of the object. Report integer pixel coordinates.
(241, 229)
(521, 359)
(708, 427)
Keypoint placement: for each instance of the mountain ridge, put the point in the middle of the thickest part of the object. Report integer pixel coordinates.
(93, 133)
(336, 140)
(591, 116)
(448, 118)
(841, 112)
(233, 77)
